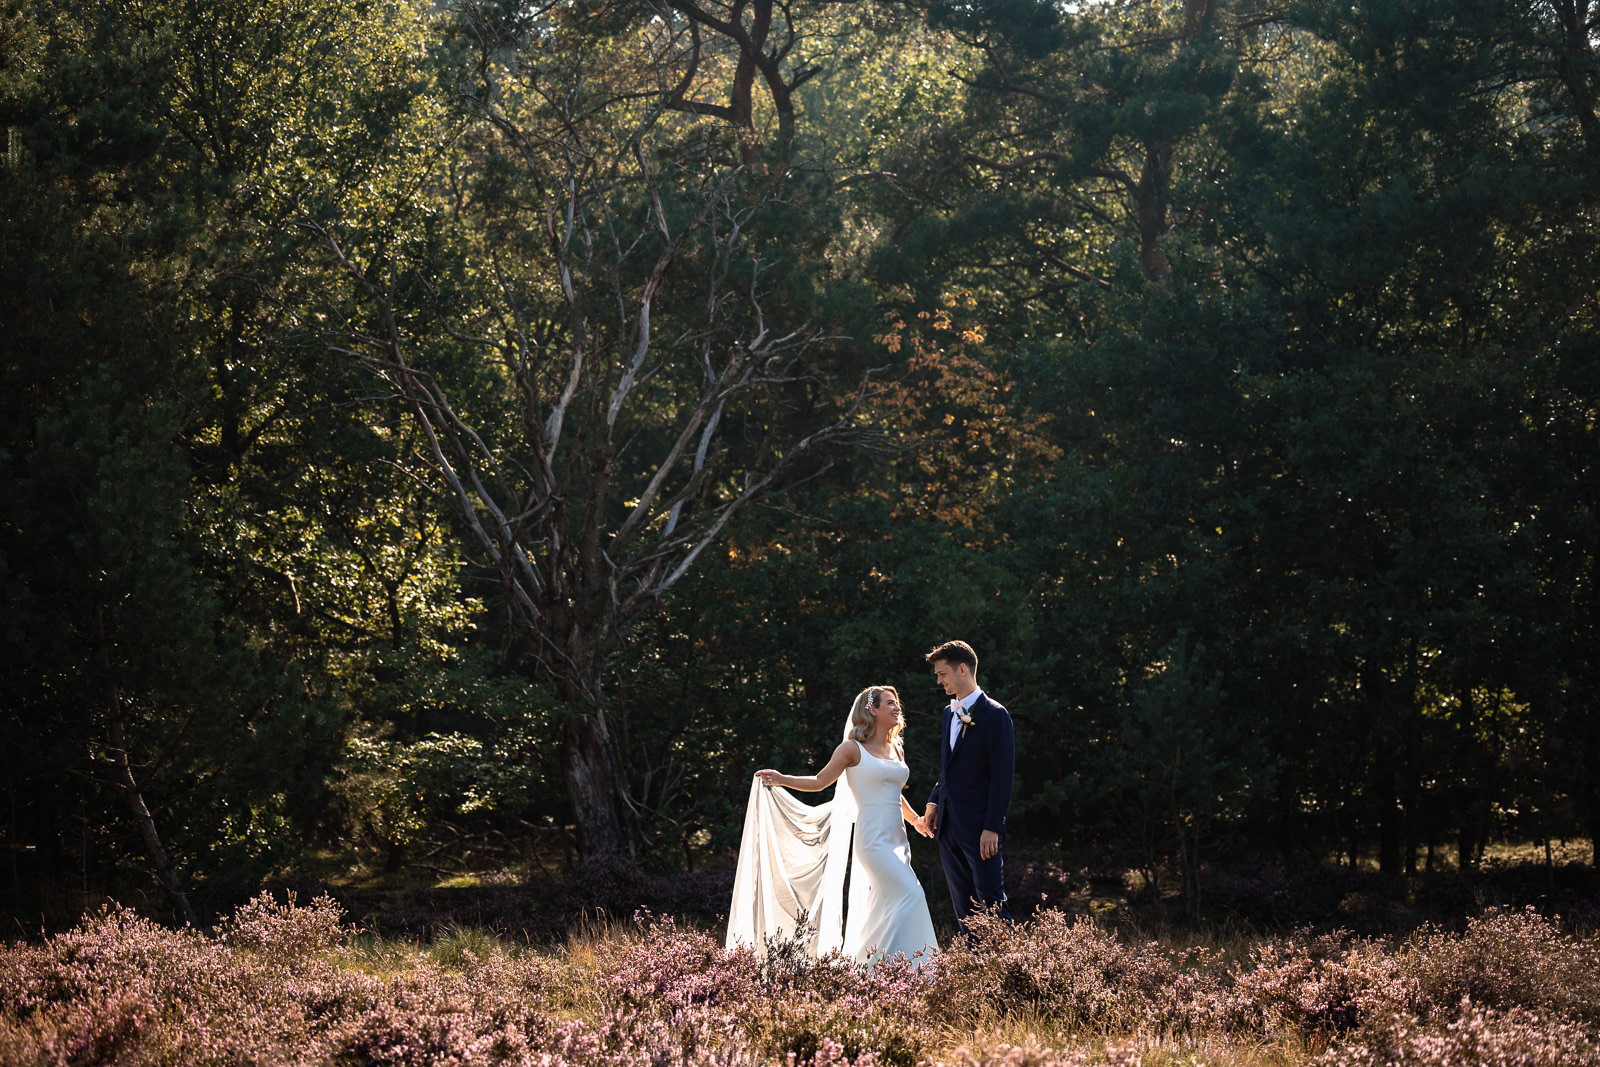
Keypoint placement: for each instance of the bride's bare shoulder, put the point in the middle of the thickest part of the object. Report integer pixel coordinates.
(849, 752)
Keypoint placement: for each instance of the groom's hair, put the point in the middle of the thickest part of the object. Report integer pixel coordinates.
(954, 652)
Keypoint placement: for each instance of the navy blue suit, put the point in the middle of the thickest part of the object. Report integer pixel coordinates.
(973, 793)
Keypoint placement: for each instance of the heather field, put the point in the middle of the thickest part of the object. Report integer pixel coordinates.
(280, 983)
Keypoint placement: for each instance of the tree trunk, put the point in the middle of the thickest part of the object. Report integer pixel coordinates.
(1196, 13)
(1151, 199)
(1389, 815)
(1150, 196)
(1589, 802)
(147, 825)
(1576, 66)
(1189, 844)
(130, 785)
(591, 783)
(1413, 803)
(578, 566)
(1188, 830)
(1383, 710)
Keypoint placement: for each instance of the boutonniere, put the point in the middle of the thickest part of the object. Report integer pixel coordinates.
(963, 714)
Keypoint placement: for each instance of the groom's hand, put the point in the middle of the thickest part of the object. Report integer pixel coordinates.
(931, 817)
(988, 844)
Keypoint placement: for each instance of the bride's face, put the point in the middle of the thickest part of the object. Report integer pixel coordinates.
(886, 715)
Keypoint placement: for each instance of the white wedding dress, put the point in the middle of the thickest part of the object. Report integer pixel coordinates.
(792, 861)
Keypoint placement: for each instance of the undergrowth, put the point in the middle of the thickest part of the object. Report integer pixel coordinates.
(285, 983)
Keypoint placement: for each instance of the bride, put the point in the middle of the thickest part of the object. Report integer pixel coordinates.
(792, 857)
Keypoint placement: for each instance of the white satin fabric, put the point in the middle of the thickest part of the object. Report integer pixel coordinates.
(793, 859)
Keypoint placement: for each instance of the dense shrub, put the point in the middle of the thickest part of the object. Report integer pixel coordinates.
(1069, 968)
(1030, 1054)
(281, 983)
(1469, 1037)
(108, 1031)
(663, 970)
(1318, 984)
(1509, 959)
(285, 931)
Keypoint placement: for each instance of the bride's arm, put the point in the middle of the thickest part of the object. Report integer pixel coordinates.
(918, 823)
(846, 755)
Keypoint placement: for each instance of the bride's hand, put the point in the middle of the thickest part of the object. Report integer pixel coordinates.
(921, 826)
(768, 777)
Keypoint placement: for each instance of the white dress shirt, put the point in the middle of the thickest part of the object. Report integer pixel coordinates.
(955, 723)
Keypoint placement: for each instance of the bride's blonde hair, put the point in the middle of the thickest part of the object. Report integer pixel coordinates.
(860, 725)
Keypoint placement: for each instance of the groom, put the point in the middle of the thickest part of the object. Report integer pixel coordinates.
(967, 807)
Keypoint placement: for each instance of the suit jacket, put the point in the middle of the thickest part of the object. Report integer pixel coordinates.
(974, 787)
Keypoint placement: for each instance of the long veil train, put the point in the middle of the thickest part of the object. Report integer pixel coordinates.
(792, 862)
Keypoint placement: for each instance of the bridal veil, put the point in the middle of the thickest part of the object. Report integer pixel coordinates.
(793, 858)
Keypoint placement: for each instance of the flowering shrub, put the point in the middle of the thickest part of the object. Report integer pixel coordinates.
(1509, 959)
(285, 930)
(794, 1006)
(1319, 984)
(803, 1027)
(1065, 967)
(284, 983)
(663, 970)
(1032, 1054)
(119, 984)
(105, 1032)
(1474, 1035)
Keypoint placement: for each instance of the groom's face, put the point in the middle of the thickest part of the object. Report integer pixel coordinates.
(948, 676)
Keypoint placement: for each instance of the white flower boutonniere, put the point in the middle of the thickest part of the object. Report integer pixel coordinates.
(963, 714)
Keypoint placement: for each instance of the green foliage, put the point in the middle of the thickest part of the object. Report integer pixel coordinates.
(1234, 380)
(398, 789)
(454, 740)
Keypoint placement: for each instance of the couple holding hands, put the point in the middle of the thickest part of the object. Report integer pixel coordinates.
(793, 857)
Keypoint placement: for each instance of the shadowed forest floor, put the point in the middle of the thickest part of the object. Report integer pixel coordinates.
(543, 906)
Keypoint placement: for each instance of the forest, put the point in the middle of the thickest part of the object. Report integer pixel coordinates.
(459, 442)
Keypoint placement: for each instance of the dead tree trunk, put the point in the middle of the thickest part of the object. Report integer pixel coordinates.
(130, 785)
(607, 338)
(592, 786)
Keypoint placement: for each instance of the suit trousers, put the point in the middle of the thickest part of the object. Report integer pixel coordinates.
(975, 883)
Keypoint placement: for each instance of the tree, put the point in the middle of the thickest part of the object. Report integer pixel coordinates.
(206, 540)
(1085, 131)
(1308, 448)
(628, 358)
(107, 630)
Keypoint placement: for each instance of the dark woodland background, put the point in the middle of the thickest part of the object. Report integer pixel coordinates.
(448, 447)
